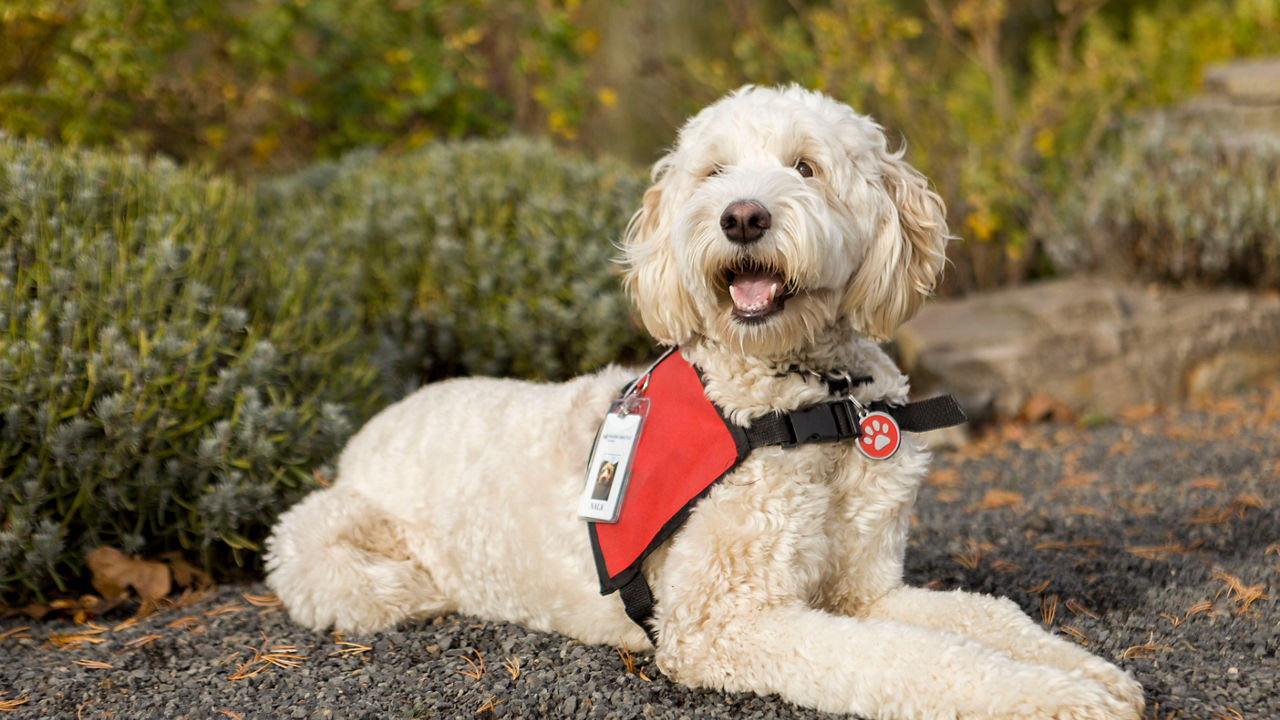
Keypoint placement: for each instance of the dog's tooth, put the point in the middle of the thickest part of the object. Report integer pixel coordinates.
(773, 291)
(733, 294)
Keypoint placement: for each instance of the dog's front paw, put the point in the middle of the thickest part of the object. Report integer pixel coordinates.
(1091, 700)
(1047, 694)
(1082, 664)
(1119, 683)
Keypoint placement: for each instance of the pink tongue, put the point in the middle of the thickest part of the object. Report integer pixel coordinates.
(752, 289)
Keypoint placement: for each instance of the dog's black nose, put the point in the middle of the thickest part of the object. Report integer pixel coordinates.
(745, 221)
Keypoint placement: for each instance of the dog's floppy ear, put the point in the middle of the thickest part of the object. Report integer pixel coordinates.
(652, 277)
(906, 255)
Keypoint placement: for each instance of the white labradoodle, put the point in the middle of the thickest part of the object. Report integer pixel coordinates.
(780, 236)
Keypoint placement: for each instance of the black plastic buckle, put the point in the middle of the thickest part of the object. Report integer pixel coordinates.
(827, 422)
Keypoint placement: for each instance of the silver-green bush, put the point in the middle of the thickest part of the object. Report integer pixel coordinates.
(166, 377)
(1179, 202)
(490, 258)
(179, 353)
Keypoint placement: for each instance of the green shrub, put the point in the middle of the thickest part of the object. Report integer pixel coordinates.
(474, 258)
(167, 378)
(178, 354)
(1180, 202)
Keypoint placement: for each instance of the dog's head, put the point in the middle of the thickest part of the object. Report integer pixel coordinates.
(780, 217)
(607, 469)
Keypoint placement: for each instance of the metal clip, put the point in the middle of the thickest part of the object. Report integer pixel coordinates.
(859, 408)
(626, 403)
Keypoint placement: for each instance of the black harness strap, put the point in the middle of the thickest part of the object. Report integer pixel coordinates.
(824, 422)
(838, 420)
(637, 598)
(924, 415)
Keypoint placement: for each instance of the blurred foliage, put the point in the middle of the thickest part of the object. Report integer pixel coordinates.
(1003, 105)
(1182, 201)
(273, 83)
(179, 353)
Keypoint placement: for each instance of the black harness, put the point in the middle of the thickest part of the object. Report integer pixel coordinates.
(831, 421)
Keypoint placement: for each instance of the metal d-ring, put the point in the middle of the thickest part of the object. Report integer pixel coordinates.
(859, 408)
(862, 410)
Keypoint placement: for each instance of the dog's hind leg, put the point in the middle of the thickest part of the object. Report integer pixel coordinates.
(337, 559)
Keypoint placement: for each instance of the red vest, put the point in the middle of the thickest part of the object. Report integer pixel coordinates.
(685, 447)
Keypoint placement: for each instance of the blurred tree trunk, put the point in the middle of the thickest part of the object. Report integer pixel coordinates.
(643, 62)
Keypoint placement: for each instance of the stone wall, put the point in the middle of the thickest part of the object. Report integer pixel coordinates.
(1096, 346)
(1243, 95)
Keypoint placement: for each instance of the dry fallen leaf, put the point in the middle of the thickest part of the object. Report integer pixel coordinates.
(1077, 481)
(184, 573)
(114, 573)
(943, 477)
(1207, 482)
(80, 609)
(995, 498)
(282, 656)
(1043, 406)
(1242, 595)
(1140, 412)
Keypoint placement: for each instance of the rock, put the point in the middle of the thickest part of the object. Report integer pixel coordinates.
(1253, 82)
(1243, 95)
(1095, 346)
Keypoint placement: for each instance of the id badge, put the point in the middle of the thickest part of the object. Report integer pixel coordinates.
(611, 455)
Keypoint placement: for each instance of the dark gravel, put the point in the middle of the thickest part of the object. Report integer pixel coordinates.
(1153, 538)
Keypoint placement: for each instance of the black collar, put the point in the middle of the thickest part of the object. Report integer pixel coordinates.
(838, 383)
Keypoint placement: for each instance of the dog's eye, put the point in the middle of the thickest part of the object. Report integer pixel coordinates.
(804, 168)
(715, 170)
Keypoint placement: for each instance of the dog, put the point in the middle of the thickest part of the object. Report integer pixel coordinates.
(780, 241)
(604, 480)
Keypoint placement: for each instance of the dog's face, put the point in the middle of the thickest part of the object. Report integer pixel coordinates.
(605, 475)
(779, 218)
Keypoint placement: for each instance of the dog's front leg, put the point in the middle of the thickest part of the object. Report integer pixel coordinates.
(1000, 624)
(873, 668)
(733, 596)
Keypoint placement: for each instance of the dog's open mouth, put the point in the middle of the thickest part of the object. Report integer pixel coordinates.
(756, 291)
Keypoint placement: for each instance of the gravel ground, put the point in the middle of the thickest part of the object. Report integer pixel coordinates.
(1153, 539)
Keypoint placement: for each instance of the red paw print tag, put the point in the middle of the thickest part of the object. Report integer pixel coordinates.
(880, 436)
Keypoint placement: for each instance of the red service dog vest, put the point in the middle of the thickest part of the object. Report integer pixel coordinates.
(686, 446)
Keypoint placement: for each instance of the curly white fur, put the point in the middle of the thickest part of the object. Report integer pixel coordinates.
(787, 578)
